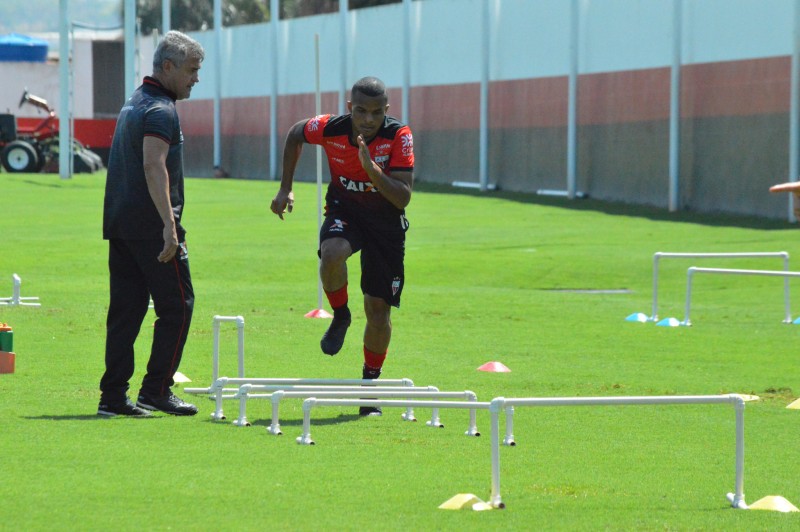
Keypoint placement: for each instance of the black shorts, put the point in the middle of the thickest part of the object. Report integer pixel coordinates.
(382, 242)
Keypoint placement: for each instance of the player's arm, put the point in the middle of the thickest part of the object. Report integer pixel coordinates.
(395, 188)
(284, 199)
(792, 186)
(154, 152)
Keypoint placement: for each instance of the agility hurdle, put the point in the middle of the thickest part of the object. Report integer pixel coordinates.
(311, 402)
(16, 300)
(218, 391)
(772, 273)
(500, 404)
(663, 255)
(304, 391)
(396, 393)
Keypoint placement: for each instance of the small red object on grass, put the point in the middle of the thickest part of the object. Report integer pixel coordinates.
(496, 367)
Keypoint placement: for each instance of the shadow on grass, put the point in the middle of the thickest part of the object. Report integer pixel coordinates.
(614, 208)
(341, 418)
(82, 417)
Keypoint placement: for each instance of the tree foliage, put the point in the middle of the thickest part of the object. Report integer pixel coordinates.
(194, 15)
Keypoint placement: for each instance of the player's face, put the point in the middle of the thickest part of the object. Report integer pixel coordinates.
(368, 113)
(180, 80)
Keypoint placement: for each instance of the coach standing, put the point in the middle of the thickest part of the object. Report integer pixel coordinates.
(142, 223)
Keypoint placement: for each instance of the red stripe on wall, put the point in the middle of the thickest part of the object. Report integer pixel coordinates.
(736, 88)
(620, 97)
(445, 107)
(538, 102)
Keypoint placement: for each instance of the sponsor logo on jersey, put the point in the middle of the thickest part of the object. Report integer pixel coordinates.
(337, 227)
(337, 145)
(356, 186)
(407, 143)
(383, 147)
(336, 159)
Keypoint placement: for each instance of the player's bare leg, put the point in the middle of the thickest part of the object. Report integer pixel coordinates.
(333, 274)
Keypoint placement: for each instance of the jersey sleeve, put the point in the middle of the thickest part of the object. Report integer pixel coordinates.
(403, 151)
(159, 123)
(314, 128)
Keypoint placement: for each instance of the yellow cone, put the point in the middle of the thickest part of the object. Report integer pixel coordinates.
(180, 378)
(465, 501)
(748, 398)
(776, 503)
(795, 405)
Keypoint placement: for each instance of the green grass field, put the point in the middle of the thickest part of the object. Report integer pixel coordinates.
(499, 277)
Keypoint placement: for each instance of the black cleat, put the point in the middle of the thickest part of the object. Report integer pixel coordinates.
(333, 338)
(370, 373)
(121, 409)
(169, 404)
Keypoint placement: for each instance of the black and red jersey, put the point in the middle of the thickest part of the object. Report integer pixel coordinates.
(392, 149)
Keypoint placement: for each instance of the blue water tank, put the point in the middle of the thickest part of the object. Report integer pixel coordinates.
(15, 47)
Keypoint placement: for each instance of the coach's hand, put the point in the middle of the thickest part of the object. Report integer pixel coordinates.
(170, 243)
(283, 203)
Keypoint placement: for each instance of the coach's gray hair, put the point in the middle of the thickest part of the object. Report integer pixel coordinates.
(176, 47)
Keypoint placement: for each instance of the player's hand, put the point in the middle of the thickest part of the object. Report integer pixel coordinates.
(364, 158)
(283, 203)
(170, 243)
(792, 186)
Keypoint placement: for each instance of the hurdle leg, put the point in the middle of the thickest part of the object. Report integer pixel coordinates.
(241, 421)
(737, 499)
(494, 409)
(435, 421)
(509, 439)
(275, 426)
(305, 438)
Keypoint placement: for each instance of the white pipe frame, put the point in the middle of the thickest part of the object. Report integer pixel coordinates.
(245, 392)
(311, 402)
(728, 271)
(663, 255)
(16, 300)
(501, 404)
(374, 393)
(217, 390)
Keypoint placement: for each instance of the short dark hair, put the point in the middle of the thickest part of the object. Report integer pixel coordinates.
(369, 86)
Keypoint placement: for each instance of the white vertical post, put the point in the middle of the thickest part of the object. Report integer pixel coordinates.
(345, 49)
(166, 16)
(130, 47)
(217, 82)
(675, 107)
(483, 142)
(572, 101)
(318, 108)
(274, 22)
(794, 109)
(63, 75)
(406, 60)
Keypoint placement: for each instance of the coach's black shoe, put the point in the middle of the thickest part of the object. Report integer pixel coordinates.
(121, 409)
(169, 404)
(370, 373)
(333, 338)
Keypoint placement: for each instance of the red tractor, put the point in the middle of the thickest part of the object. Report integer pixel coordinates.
(34, 149)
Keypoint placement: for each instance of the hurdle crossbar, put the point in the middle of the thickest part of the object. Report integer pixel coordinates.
(245, 393)
(664, 255)
(726, 271)
(217, 390)
(396, 393)
(311, 402)
(500, 404)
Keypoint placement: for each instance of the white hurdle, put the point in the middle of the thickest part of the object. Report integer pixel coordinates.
(725, 271)
(16, 300)
(664, 255)
(375, 393)
(278, 392)
(311, 402)
(500, 404)
(218, 390)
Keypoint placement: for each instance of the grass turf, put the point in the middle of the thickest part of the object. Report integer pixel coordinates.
(495, 277)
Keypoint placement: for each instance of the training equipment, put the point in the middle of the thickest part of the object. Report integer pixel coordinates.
(636, 317)
(16, 299)
(501, 404)
(311, 402)
(773, 273)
